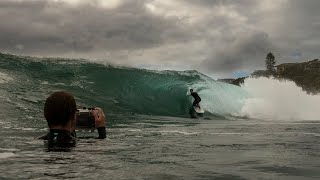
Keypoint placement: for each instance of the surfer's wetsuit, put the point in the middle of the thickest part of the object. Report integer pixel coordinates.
(197, 99)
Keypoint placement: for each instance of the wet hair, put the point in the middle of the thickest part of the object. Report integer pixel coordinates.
(191, 90)
(59, 108)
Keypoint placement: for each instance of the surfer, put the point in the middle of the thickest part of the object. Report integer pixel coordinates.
(196, 97)
(60, 113)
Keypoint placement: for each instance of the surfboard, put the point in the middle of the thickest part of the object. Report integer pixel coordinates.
(198, 110)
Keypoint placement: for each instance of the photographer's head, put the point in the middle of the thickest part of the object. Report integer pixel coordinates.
(60, 110)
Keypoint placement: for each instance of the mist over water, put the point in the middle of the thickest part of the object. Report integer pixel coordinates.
(272, 99)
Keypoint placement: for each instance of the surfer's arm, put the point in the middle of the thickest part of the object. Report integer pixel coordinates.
(100, 122)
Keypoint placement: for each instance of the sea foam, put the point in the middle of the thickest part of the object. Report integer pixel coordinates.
(273, 99)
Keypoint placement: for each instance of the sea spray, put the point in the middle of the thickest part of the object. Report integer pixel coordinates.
(273, 99)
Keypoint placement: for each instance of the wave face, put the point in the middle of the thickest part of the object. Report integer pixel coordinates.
(26, 82)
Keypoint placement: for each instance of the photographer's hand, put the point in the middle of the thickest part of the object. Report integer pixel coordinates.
(99, 117)
(100, 122)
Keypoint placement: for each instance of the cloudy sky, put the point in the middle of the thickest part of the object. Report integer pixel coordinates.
(221, 38)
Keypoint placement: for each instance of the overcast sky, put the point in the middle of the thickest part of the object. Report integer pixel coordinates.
(220, 38)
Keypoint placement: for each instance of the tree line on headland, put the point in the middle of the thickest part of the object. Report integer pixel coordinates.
(304, 74)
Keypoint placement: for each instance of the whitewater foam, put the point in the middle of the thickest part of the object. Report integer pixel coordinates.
(4, 78)
(6, 155)
(272, 99)
(178, 132)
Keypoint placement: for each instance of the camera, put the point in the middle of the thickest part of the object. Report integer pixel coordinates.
(85, 118)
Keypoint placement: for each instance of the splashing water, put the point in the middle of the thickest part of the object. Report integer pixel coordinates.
(279, 100)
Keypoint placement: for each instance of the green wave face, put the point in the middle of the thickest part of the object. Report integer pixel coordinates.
(118, 90)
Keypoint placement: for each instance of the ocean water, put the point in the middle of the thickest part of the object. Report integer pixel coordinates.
(246, 133)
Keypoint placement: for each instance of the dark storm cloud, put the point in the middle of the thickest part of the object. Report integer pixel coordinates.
(215, 36)
(300, 28)
(210, 3)
(55, 27)
(282, 27)
(245, 52)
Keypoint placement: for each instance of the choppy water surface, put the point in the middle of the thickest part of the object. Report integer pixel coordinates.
(170, 148)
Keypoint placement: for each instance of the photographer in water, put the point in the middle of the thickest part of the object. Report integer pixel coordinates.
(60, 111)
